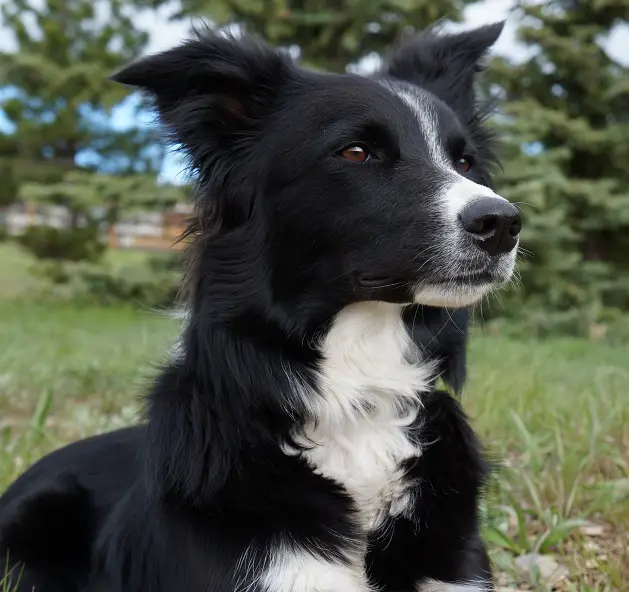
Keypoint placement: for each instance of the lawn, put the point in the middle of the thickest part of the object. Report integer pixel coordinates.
(554, 416)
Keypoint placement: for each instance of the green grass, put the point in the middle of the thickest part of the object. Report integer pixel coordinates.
(90, 362)
(554, 416)
(15, 280)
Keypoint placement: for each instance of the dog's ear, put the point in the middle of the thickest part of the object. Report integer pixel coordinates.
(210, 87)
(444, 63)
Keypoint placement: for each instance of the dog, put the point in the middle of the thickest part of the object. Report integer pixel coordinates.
(297, 440)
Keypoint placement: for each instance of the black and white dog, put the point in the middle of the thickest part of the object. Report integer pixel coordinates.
(297, 441)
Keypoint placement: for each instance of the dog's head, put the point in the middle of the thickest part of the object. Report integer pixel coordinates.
(326, 188)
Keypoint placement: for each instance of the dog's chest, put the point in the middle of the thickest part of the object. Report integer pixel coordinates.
(366, 402)
(367, 459)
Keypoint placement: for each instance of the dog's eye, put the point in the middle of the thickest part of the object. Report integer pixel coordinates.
(464, 165)
(356, 153)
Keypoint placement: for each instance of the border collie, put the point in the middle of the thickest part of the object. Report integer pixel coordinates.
(297, 441)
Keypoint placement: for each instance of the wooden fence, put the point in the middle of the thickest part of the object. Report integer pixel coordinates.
(164, 236)
(157, 232)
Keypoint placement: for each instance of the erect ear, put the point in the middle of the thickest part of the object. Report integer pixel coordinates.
(210, 87)
(444, 63)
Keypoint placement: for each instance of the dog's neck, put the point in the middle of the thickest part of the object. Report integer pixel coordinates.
(246, 395)
(368, 362)
(365, 358)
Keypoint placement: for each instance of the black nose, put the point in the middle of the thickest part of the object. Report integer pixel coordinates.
(493, 222)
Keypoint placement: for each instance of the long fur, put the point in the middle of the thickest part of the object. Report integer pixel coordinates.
(295, 440)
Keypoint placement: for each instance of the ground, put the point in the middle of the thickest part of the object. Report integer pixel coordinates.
(553, 414)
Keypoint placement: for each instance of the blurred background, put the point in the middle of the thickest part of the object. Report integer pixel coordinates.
(91, 205)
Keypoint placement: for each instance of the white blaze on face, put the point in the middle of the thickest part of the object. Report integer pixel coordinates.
(457, 191)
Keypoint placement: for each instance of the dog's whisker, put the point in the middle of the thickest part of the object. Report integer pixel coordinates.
(524, 203)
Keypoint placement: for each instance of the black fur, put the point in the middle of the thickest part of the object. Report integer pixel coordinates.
(285, 235)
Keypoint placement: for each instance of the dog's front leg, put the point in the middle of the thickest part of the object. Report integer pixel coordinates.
(437, 547)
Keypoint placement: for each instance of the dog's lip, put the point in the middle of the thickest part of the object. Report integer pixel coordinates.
(376, 281)
(474, 277)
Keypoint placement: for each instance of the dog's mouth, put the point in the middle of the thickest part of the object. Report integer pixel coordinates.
(474, 278)
(375, 282)
(382, 287)
(459, 284)
(463, 288)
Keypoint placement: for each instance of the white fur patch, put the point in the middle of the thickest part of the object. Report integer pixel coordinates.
(367, 397)
(418, 101)
(301, 571)
(450, 296)
(437, 586)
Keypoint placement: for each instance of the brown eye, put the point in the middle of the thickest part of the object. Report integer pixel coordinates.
(355, 154)
(463, 165)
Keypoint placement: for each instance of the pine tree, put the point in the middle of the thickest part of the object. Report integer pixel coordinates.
(566, 122)
(59, 103)
(59, 97)
(58, 75)
(8, 185)
(330, 34)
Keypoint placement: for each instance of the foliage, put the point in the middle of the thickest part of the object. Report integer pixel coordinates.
(99, 198)
(8, 182)
(566, 123)
(75, 244)
(151, 282)
(329, 34)
(57, 100)
(58, 88)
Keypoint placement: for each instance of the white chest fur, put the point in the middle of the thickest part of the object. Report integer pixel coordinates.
(367, 397)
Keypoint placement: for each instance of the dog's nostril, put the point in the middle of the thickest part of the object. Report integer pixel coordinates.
(482, 225)
(516, 227)
(487, 224)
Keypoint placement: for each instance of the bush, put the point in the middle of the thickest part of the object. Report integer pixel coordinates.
(135, 284)
(77, 244)
(153, 283)
(167, 261)
(595, 323)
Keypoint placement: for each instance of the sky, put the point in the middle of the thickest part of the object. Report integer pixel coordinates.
(165, 33)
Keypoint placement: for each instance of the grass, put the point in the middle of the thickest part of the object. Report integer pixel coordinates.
(89, 363)
(554, 416)
(14, 266)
